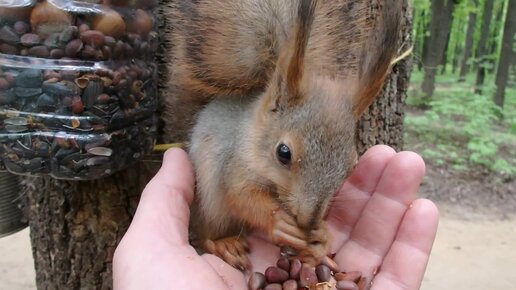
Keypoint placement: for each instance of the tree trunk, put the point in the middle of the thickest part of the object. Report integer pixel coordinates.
(507, 54)
(456, 58)
(495, 40)
(418, 42)
(75, 226)
(445, 53)
(468, 46)
(482, 48)
(426, 41)
(382, 123)
(457, 48)
(440, 25)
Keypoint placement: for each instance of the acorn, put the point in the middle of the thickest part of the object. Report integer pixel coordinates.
(47, 19)
(141, 22)
(109, 22)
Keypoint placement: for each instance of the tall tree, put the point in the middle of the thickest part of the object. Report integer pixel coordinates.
(468, 45)
(440, 24)
(495, 38)
(456, 58)
(482, 48)
(446, 52)
(75, 226)
(507, 53)
(457, 43)
(420, 36)
(421, 9)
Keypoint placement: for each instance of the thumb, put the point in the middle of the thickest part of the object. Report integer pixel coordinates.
(164, 205)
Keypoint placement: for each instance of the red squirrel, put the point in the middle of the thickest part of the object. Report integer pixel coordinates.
(279, 86)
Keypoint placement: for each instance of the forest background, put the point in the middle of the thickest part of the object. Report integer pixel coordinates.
(463, 98)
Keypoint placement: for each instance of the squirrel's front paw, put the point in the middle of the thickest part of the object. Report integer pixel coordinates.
(318, 245)
(284, 231)
(233, 250)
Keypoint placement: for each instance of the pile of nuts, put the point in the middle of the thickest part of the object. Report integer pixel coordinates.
(65, 155)
(48, 31)
(291, 274)
(78, 86)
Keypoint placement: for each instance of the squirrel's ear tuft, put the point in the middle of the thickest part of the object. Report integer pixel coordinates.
(289, 74)
(379, 51)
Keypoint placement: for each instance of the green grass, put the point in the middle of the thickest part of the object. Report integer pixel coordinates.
(460, 129)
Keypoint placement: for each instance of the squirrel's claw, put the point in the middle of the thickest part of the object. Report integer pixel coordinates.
(285, 231)
(232, 250)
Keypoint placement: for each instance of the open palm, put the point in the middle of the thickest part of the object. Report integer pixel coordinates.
(375, 220)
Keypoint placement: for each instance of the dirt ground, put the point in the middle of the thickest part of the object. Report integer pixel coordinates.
(16, 264)
(474, 248)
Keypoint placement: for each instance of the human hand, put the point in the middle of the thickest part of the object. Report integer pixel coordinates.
(375, 221)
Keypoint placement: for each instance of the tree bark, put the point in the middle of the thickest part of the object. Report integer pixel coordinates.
(418, 42)
(445, 53)
(440, 25)
(468, 46)
(506, 54)
(75, 226)
(458, 48)
(482, 48)
(382, 123)
(495, 36)
(456, 58)
(426, 41)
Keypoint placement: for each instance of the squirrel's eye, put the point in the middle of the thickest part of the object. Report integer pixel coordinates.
(283, 153)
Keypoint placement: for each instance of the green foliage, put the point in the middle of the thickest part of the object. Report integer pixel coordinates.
(455, 48)
(458, 29)
(421, 19)
(461, 129)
